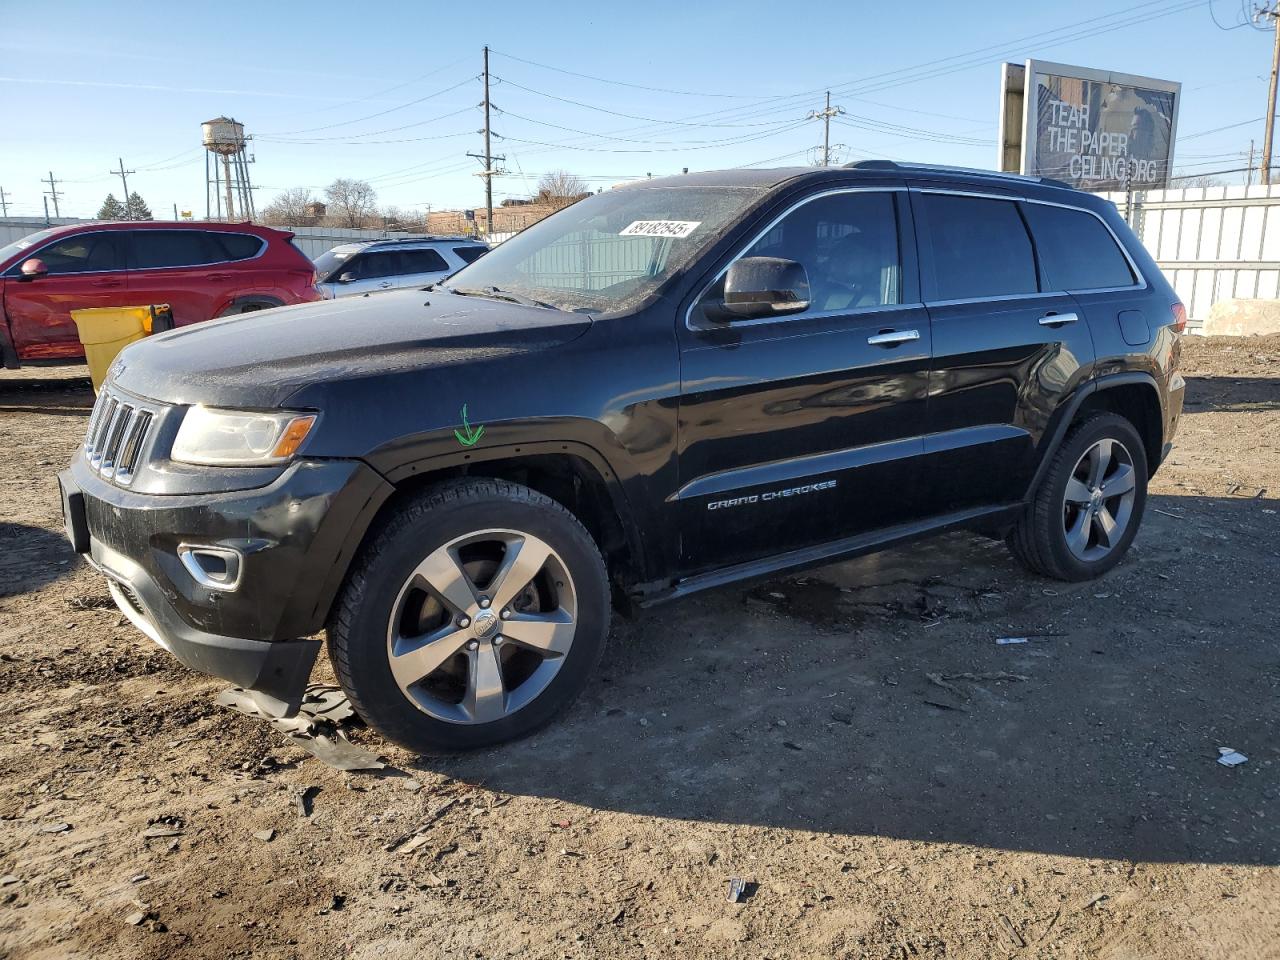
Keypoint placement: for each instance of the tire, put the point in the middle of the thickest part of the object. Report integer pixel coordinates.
(247, 306)
(401, 611)
(1063, 533)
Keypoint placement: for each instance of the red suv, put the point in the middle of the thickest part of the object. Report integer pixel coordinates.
(202, 270)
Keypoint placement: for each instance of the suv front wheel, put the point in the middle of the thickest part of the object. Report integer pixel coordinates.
(474, 616)
(1087, 508)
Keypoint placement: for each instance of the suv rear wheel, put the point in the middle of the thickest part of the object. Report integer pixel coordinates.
(474, 616)
(1087, 508)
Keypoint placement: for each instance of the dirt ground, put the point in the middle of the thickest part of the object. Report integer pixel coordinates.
(853, 743)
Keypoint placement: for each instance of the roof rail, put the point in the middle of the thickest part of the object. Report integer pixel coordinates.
(454, 238)
(943, 168)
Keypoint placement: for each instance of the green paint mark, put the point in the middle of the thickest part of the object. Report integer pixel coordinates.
(467, 436)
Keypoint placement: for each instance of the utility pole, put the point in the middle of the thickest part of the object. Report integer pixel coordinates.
(52, 192)
(825, 116)
(1274, 13)
(123, 174)
(488, 172)
(4, 204)
(46, 210)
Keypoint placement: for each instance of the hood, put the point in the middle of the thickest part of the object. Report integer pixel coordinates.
(259, 359)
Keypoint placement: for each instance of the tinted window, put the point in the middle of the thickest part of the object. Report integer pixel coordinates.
(422, 261)
(847, 243)
(332, 263)
(234, 246)
(171, 248)
(1077, 252)
(84, 253)
(371, 266)
(980, 248)
(470, 254)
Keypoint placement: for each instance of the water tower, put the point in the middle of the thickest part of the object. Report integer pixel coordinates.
(228, 193)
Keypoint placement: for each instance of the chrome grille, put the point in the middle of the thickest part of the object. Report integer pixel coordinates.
(117, 432)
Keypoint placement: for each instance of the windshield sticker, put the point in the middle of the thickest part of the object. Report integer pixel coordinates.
(468, 436)
(678, 229)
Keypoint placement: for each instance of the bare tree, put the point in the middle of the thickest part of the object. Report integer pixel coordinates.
(288, 207)
(351, 201)
(559, 188)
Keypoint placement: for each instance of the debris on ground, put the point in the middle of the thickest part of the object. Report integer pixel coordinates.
(1230, 758)
(737, 890)
(316, 728)
(266, 836)
(413, 838)
(55, 828)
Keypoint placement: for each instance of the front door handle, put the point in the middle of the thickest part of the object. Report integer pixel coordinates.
(1057, 319)
(384, 284)
(105, 282)
(891, 338)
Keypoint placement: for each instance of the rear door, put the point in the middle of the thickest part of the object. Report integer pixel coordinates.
(182, 268)
(1006, 347)
(806, 429)
(85, 270)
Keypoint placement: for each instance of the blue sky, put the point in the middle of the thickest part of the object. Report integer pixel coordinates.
(388, 91)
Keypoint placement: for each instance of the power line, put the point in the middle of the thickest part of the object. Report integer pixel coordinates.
(380, 113)
(623, 83)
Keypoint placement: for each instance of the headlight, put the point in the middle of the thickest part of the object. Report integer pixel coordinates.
(233, 438)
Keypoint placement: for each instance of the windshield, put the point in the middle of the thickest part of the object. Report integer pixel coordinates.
(9, 249)
(610, 251)
(330, 260)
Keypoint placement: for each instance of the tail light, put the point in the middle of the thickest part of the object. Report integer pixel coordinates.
(1179, 317)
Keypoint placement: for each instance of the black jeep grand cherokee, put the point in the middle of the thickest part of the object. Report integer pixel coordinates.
(666, 387)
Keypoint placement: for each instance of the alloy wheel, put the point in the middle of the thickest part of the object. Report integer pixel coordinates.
(1098, 502)
(481, 626)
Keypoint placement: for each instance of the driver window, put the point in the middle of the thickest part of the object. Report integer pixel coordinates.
(847, 243)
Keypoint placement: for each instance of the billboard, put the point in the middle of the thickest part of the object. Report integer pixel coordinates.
(1093, 129)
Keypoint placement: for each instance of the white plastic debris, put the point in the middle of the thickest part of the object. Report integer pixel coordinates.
(1005, 641)
(1230, 758)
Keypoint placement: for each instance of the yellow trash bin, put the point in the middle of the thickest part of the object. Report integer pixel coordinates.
(105, 331)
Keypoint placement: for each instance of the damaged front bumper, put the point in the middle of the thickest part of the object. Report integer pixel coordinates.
(229, 583)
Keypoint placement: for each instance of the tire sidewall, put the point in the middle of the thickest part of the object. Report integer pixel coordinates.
(1097, 428)
(385, 706)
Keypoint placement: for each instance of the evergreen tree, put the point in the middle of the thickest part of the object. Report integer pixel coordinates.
(112, 209)
(136, 208)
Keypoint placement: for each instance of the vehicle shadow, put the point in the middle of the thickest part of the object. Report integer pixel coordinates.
(31, 558)
(872, 698)
(1254, 394)
(58, 391)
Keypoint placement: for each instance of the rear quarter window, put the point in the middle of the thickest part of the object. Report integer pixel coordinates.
(236, 246)
(470, 254)
(1077, 251)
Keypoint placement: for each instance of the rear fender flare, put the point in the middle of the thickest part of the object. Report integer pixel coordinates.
(1067, 412)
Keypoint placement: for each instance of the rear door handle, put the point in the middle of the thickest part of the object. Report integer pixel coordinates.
(1057, 319)
(105, 282)
(891, 338)
(385, 283)
(217, 276)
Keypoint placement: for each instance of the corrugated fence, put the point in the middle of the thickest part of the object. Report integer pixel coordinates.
(1213, 243)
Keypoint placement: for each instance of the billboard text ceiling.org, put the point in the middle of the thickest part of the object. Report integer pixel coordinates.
(1094, 129)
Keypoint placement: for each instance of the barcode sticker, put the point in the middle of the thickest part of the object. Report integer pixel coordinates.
(679, 229)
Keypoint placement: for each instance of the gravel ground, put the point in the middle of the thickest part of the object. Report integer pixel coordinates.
(853, 743)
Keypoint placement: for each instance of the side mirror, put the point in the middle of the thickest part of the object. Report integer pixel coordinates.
(347, 277)
(30, 269)
(764, 287)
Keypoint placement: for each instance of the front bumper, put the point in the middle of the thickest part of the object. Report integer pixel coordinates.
(294, 539)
